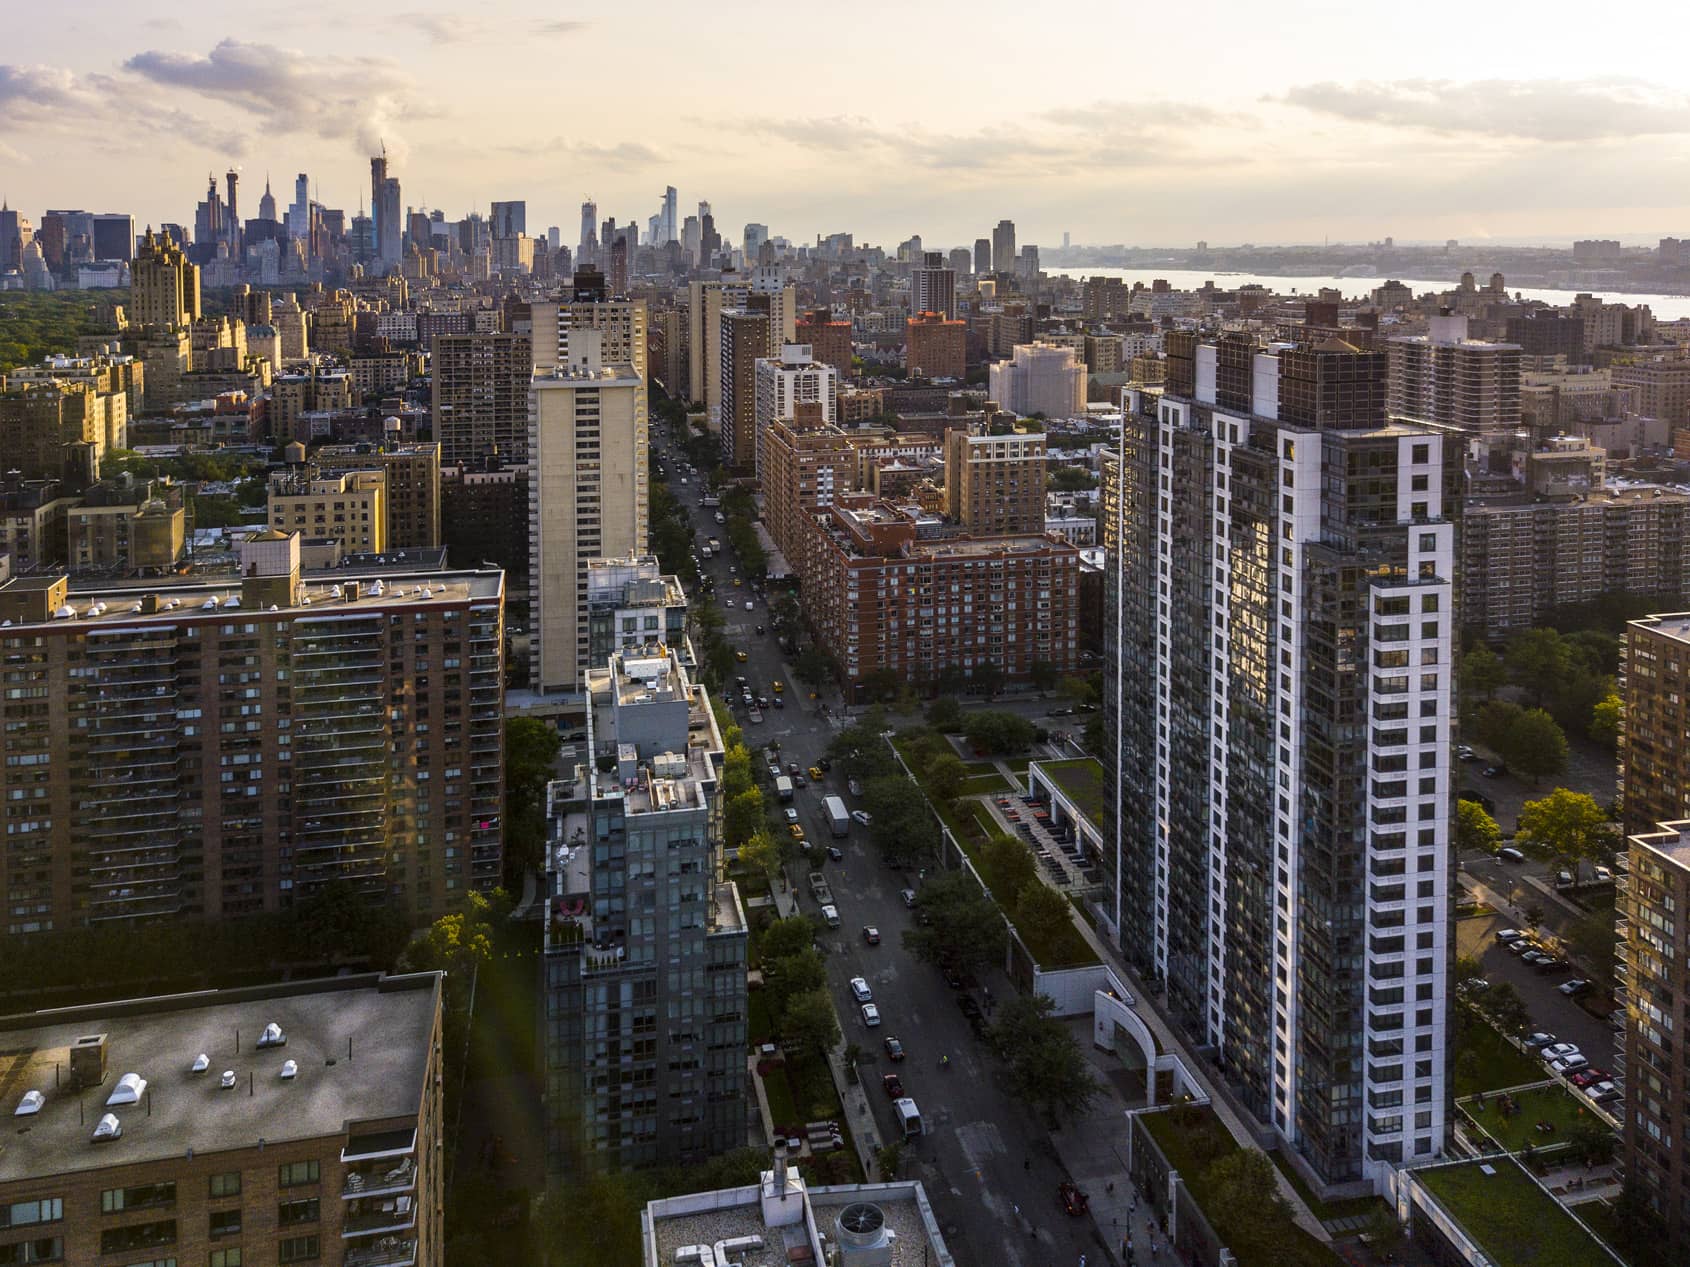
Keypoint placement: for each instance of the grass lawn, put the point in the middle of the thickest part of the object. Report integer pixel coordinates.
(1513, 1220)
(1546, 1104)
(782, 1107)
(1604, 1220)
(980, 767)
(981, 784)
(759, 1025)
(1193, 1139)
(1497, 1063)
(1081, 780)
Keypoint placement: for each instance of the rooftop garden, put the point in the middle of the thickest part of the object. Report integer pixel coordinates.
(1511, 1219)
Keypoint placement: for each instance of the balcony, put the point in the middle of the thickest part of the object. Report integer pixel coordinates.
(374, 1215)
(390, 1251)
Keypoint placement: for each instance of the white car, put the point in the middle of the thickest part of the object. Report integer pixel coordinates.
(791, 814)
(1509, 934)
(749, 605)
(1603, 1091)
(1557, 1050)
(871, 1015)
(860, 817)
(1568, 1064)
(860, 990)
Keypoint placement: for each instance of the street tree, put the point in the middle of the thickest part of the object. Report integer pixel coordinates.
(1591, 939)
(1040, 912)
(1043, 1064)
(1482, 672)
(1534, 745)
(945, 714)
(1571, 825)
(900, 822)
(736, 770)
(1503, 1004)
(1042, 674)
(945, 775)
(790, 936)
(1604, 725)
(762, 852)
(964, 927)
(784, 979)
(809, 1024)
(742, 815)
(1475, 830)
(989, 678)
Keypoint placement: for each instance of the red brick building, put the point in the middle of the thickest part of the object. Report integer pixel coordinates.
(936, 347)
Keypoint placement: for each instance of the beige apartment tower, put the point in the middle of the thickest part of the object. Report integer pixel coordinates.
(165, 287)
(480, 396)
(588, 493)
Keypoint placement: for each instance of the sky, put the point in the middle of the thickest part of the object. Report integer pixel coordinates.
(1146, 124)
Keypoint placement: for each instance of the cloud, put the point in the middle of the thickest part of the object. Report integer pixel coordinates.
(355, 98)
(39, 89)
(457, 28)
(1550, 110)
(561, 26)
(1137, 116)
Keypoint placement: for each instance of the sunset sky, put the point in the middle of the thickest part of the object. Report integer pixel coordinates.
(1145, 124)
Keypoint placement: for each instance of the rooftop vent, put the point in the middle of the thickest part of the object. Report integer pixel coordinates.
(290, 1069)
(227, 1081)
(129, 1090)
(31, 1103)
(864, 1238)
(202, 1062)
(88, 1060)
(108, 1128)
(67, 612)
(272, 1036)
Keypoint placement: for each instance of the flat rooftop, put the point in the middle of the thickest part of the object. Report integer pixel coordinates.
(385, 1022)
(1671, 842)
(1512, 1220)
(323, 594)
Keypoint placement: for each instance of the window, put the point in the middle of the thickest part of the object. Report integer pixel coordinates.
(225, 1223)
(46, 1250)
(295, 1173)
(29, 1213)
(226, 1257)
(298, 1249)
(227, 1184)
(145, 1197)
(120, 1240)
(301, 1211)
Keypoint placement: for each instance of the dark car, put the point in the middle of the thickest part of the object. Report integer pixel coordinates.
(953, 978)
(894, 1085)
(836, 853)
(759, 631)
(1494, 771)
(824, 763)
(1073, 1200)
(968, 1006)
(894, 1049)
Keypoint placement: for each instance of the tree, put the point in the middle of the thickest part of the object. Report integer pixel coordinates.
(1040, 912)
(1482, 671)
(813, 667)
(1539, 661)
(900, 823)
(945, 775)
(1571, 825)
(1475, 830)
(790, 936)
(888, 1159)
(763, 853)
(1493, 722)
(1076, 690)
(1604, 725)
(989, 678)
(1007, 866)
(945, 714)
(1244, 1204)
(993, 731)
(736, 770)
(1043, 1064)
(531, 748)
(965, 929)
(784, 979)
(881, 685)
(742, 816)
(1096, 735)
(950, 680)
(1534, 745)
(1042, 674)
(1591, 939)
(809, 1024)
(1503, 1004)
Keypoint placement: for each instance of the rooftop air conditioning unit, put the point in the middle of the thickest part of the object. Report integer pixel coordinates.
(864, 1239)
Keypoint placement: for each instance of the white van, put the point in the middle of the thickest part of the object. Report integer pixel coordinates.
(909, 1117)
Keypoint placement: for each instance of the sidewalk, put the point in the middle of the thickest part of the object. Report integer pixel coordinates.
(865, 1131)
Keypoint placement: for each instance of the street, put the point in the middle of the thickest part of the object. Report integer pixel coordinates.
(985, 1160)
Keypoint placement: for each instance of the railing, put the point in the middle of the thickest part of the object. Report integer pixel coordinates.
(397, 1254)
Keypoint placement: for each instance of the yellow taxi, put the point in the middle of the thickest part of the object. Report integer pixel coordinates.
(779, 687)
(796, 831)
(741, 656)
(816, 774)
(738, 582)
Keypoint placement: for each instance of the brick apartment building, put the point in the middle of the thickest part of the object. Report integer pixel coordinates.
(296, 1123)
(935, 346)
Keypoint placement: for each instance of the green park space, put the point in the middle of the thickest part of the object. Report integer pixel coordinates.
(1517, 1127)
(1515, 1222)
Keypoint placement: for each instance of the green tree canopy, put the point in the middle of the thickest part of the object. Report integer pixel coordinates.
(1475, 830)
(1244, 1204)
(1539, 660)
(791, 975)
(990, 730)
(809, 1024)
(742, 816)
(945, 714)
(944, 775)
(1534, 745)
(1604, 725)
(1040, 911)
(1571, 825)
(1043, 1064)
(789, 936)
(965, 929)
(1482, 672)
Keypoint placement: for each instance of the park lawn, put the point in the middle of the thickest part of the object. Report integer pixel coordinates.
(983, 784)
(980, 767)
(782, 1107)
(1498, 1063)
(759, 1024)
(1543, 1104)
(1513, 1220)
(1081, 780)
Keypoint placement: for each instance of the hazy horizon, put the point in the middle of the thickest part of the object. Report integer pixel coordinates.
(1308, 121)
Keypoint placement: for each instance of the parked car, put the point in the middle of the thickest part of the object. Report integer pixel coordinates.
(893, 1085)
(1495, 771)
(1567, 1065)
(860, 990)
(894, 1049)
(1554, 1051)
(871, 1015)
(1510, 854)
(1604, 875)
(791, 814)
(1589, 1077)
(1577, 986)
(1075, 1202)
(1508, 934)
(1538, 1040)
(1603, 1092)
(871, 934)
(1472, 985)
(860, 817)
(1563, 879)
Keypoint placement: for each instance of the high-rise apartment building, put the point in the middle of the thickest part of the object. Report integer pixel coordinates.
(588, 495)
(961, 260)
(829, 340)
(347, 507)
(278, 1148)
(889, 595)
(762, 290)
(744, 340)
(784, 387)
(1654, 782)
(803, 467)
(1447, 378)
(933, 286)
(645, 942)
(1040, 378)
(164, 286)
(935, 347)
(1003, 247)
(995, 483)
(1662, 388)
(479, 402)
(632, 603)
(1653, 950)
(1280, 642)
(55, 430)
(206, 751)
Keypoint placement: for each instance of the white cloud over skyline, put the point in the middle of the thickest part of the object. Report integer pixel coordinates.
(1314, 118)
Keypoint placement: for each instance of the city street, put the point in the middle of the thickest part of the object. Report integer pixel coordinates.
(986, 1162)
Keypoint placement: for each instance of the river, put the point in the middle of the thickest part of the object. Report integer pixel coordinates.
(1665, 307)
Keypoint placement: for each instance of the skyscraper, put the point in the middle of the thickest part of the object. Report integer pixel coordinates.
(15, 234)
(982, 257)
(588, 495)
(744, 340)
(933, 287)
(510, 219)
(299, 213)
(586, 253)
(387, 211)
(1280, 635)
(232, 221)
(645, 943)
(1445, 377)
(752, 242)
(165, 286)
(1003, 247)
(666, 231)
(267, 203)
(480, 396)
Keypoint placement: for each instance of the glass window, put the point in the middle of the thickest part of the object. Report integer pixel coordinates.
(227, 1184)
(226, 1257)
(29, 1213)
(225, 1222)
(299, 1249)
(302, 1211)
(295, 1173)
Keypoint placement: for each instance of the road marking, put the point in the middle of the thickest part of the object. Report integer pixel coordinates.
(980, 1142)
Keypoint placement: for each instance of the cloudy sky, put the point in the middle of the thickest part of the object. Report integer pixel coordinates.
(1140, 123)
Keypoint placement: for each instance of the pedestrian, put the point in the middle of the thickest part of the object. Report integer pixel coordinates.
(1082, 1260)
(1110, 1187)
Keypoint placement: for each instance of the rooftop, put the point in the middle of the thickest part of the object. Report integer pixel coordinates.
(1512, 1220)
(1671, 842)
(361, 1045)
(1081, 781)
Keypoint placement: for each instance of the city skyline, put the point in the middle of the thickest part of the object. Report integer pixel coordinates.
(1368, 125)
